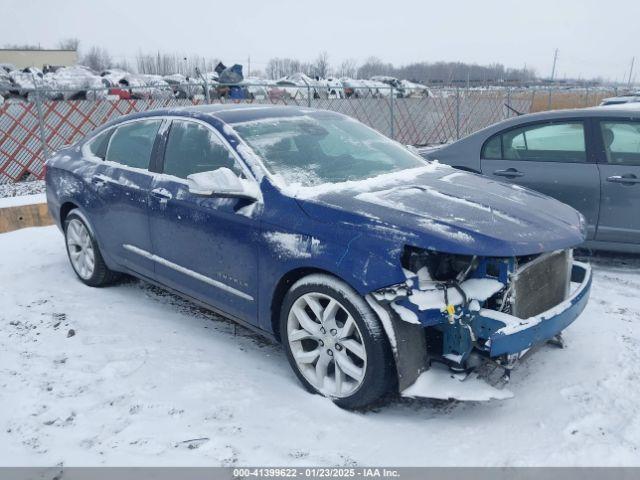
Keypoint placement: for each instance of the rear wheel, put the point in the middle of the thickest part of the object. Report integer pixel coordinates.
(84, 254)
(335, 343)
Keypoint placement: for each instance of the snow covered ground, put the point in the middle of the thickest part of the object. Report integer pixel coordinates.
(130, 375)
(18, 189)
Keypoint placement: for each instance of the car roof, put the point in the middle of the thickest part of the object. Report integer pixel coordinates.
(603, 111)
(628, 110)
(227, 113)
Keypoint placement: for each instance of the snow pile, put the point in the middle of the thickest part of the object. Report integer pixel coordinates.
(69, 81)
(21, 200)
(18, 189)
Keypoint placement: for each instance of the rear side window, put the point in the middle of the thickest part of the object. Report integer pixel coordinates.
(194, 148)
(98, 145)
(132, 143)
(492, 149)
(548, 142)
(621, 142)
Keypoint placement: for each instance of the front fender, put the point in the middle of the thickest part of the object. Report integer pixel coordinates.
(282, 252)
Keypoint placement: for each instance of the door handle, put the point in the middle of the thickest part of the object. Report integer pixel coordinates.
(161, 193)
(100, 180)
(509, 173)
(629, 179)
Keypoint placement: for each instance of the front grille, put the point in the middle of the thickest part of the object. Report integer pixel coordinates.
(541, 283)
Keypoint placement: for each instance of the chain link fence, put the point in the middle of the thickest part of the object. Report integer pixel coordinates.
(33, 128)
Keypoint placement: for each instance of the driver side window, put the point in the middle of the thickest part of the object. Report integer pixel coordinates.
(195, 148)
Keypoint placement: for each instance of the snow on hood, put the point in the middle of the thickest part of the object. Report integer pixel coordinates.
(453, 211)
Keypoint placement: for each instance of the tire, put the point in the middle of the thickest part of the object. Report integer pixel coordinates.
(80, 243)
(352, 363)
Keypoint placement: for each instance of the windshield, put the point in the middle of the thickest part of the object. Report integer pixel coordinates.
(324, 148)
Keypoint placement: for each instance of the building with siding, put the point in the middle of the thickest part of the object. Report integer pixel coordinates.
(38, 58)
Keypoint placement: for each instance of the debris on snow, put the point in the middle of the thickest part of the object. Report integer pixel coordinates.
(440, 382)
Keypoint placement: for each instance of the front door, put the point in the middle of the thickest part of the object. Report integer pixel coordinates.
(620, 181)
(550, 158)
(204, 246)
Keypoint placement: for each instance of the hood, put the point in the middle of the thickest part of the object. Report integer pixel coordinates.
(452, 211)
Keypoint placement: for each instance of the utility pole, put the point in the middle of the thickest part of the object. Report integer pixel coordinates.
(633, 59)
(248, 65)
(555, 59)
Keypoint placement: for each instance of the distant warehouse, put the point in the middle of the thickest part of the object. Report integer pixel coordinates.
(38, 58)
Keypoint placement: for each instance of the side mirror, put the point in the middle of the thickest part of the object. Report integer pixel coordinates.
(222, 182)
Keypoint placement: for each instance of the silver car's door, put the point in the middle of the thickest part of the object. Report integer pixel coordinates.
(619, 157)
(551, 158)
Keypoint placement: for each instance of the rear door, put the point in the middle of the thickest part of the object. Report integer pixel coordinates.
(551, 158)
(619, 160)
(123, 182)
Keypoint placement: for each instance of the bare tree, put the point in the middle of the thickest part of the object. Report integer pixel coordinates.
(374, 66)
(321, 65)
(97, 58)
(16, 46)
(281, 67)
(348, 68)
(69, 44)
(446, 72)
(168, 63)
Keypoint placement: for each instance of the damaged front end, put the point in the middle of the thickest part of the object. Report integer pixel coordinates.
(465, 312)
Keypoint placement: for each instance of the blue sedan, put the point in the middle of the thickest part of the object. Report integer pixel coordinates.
(365, 261)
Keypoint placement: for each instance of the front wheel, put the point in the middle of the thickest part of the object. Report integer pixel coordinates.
(335, 343)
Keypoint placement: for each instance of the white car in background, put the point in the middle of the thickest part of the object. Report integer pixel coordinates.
(74, 83)
(23, 81)
(412, 89)
(633, 97)
(298, 86)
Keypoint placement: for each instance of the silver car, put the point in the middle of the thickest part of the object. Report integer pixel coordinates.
(588, 158)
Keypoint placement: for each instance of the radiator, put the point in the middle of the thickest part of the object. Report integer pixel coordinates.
(541, 283)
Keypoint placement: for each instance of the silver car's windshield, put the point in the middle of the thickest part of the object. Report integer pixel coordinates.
(324, 148)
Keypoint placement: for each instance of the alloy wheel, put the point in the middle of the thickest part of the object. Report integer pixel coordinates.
(326, 344)
(80, 247)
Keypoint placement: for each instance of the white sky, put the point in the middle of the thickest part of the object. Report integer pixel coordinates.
(595, 38)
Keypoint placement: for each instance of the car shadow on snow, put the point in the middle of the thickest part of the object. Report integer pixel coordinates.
(225, 326)
(609, 260)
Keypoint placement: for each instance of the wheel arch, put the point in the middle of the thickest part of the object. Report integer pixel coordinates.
(65, 209)
(283, 286)
(69, 206)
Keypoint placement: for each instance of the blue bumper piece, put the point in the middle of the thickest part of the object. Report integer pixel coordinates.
(520, 334)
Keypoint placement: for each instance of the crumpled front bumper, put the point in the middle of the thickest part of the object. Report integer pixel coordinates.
(504, 334)
(521, 334)
(500, 336)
